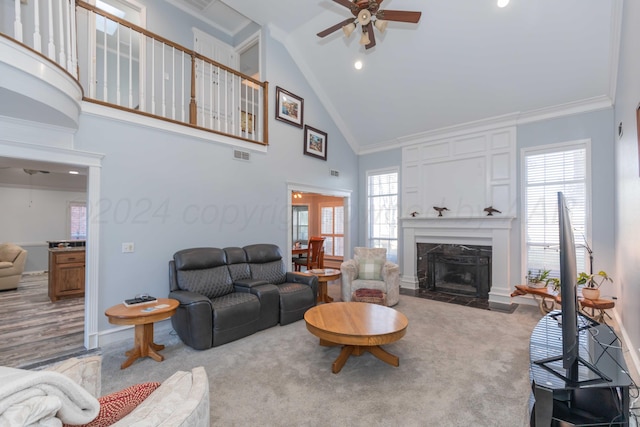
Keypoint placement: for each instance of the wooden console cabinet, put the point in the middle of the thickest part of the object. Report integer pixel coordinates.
(66, 273)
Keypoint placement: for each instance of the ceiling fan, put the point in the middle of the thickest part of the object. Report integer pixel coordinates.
(365, 11)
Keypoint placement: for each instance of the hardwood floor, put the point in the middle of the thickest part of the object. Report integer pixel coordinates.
(34, 329)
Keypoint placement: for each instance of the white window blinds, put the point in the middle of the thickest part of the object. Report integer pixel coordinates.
(382, 195)
(546, 174)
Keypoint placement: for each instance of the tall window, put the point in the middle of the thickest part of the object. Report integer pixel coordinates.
(300, 223)
(382, 211)
(332, 229)
(77, 220)
(563, 168)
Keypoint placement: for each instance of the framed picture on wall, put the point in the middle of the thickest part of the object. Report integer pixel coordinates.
(315, 143)
(289, 107)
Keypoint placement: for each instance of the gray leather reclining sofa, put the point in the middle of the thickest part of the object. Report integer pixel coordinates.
(226, 294)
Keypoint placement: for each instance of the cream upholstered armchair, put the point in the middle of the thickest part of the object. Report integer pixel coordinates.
(370, 269)
(12, 260)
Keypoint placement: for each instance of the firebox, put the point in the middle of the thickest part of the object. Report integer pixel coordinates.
(455, 268)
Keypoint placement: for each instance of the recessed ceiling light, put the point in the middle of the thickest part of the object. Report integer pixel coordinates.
(74, 172)
(358, 65)
(503, 3)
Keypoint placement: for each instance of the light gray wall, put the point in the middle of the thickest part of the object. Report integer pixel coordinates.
(165, 192)
(31, 216)
(627, 194)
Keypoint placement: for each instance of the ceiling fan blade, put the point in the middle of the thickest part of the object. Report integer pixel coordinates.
(399, 16)
(346, 3)
(335, 27)
(372, 37)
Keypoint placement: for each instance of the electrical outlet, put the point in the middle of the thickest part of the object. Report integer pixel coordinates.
(127, 247)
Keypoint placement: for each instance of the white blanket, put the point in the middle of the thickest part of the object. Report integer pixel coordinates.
(43, 398)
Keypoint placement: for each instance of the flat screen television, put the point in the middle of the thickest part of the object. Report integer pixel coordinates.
(568, 317)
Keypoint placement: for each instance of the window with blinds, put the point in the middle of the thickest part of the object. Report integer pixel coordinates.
(77, 220)
(382, 212)
(547, 173)
(332, 229)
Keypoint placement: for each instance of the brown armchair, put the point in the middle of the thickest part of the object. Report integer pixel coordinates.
(12, 260)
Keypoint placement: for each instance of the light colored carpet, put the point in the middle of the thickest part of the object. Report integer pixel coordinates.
(459, 366)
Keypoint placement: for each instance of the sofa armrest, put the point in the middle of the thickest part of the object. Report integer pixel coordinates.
(188, 297)
(388, 269)
(84, 371)
(193, 320)
(349, 270)
(306, 279)
(182, 400)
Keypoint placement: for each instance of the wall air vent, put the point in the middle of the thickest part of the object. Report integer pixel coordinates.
(335, 173)
(241, 155)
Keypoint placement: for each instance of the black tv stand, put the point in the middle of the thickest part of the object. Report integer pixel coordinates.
(600, 394)
(600, 377)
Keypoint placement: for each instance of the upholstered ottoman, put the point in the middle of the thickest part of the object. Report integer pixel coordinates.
(374, 296)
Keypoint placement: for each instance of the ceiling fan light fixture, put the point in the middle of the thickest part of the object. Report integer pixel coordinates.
(364, 17)
(348, 29)
(364, 40)
(381, 25)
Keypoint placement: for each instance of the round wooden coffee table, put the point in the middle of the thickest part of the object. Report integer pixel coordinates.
(324, 275)
(358, 327)
(143, 317)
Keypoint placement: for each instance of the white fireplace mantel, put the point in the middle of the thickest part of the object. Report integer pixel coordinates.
(494, 231)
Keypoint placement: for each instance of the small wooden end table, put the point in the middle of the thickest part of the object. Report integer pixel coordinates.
(598, 307)
(143, 318)
(324, 276)
(543, 293)
(358, 327)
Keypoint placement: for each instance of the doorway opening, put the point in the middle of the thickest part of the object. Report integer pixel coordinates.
(34, 157)
(319, 212)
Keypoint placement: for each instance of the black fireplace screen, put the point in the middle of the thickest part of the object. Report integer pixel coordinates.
(456, 269)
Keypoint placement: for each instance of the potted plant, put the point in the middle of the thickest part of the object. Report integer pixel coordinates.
(592, 282)
(540, 279)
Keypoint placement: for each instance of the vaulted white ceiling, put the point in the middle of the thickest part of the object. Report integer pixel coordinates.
(465, 61)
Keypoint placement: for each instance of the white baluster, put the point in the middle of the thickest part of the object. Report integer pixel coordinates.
(62, 57)
(17, 22)
(105, 83)
(51, 47)
(70, 29)
(212, 106)
(173, 83)
(37, 38)
(74, 41)
(202, 77)
(218, 107)
(164, 101)
(153, 77)
(117, 63)
(141, 73)
(130, 70)
(182, 92)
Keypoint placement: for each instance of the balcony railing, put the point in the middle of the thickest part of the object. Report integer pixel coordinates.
(124, 66)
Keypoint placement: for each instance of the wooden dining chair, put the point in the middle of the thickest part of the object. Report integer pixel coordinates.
(312, 259)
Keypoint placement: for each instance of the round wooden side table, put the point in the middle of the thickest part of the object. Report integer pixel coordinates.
(143, 318)
(324, 276)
